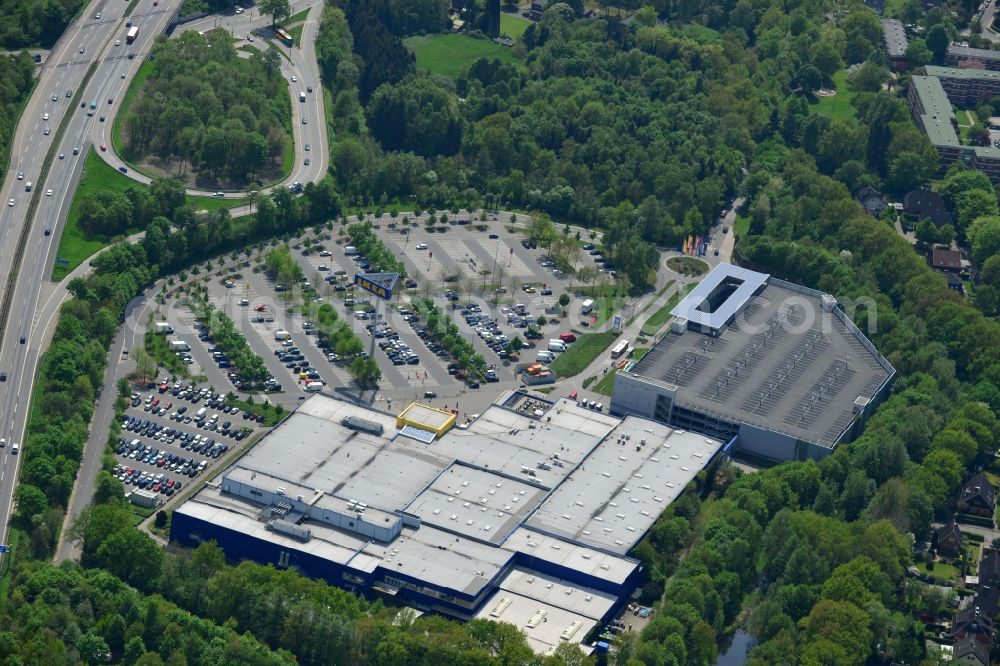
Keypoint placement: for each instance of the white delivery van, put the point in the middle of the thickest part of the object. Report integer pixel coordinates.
(545, 356)
(587, 306)
(302, 97)
(556, 345)
(282, 334)
(14, 448)
(313, 387)
(350, 250)
(200, 415)
(27, 186)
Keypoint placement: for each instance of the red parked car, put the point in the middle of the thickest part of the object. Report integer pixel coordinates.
(567, 337)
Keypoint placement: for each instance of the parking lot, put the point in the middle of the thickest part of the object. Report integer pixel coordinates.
(491, 282)
(173, 433)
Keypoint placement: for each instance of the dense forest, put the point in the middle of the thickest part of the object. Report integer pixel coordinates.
(35, 23)
(644, 132)
(226, 116)
(17, 81)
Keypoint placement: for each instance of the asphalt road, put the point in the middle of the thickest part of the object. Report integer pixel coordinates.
(29, 329)
(300, 64)
(63, 71)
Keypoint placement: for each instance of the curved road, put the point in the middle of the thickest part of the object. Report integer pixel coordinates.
(50, 115)
(300, 64)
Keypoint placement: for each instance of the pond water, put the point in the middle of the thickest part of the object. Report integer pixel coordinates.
(739, 648)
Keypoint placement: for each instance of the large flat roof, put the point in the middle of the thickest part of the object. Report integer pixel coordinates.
(466, 504)
(937, 113)
(970, 52)
(783, 365)
(894, 35)
(639, 474)
(966, 73)
(698, 306)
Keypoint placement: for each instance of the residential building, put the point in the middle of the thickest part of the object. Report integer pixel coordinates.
(872, 200)
(944, 259)
(894, 38)
(989, 568)
(977, 497)
(949, 540)
(966, 57)
(924, 204)
(972, 631)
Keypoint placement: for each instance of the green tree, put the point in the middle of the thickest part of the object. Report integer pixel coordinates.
(276, 9)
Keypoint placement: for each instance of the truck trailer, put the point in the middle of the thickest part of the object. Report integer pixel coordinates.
(145, 498)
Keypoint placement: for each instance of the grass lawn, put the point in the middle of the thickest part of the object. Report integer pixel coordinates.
(513, 25)
(742, 225)
(661, 316)
(687, 265)
(272, 413)
(450, 55)
(296, 18)
(839, 106)
(607, 382)
(941, 571)
(296, 33)
(145, 71)
(74, 245)
(699, 33)
(582, 353)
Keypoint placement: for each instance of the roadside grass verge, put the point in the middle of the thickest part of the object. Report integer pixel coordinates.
(661, 316)
(582, 353)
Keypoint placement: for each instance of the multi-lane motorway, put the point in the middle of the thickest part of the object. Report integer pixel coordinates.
(89, 42)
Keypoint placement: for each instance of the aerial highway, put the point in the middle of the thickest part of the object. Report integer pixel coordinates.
(59, 124)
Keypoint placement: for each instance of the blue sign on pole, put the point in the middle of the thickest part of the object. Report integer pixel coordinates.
(380, 284)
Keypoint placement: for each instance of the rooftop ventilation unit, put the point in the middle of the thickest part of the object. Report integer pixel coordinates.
(290, 529)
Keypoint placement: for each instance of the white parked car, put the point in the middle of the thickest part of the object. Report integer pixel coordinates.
(421, 246)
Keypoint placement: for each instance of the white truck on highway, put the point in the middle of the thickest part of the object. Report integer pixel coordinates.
(302, 97)
(179, 345)
(164, 327)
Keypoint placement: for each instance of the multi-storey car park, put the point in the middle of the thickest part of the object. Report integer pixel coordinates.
(525, 515)
(779, 367)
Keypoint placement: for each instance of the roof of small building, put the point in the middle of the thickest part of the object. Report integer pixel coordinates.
(949, 531)
(922, 201)
(895, 37)
(978, 487)
(946, 259)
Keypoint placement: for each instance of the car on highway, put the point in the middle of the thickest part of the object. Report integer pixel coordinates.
(307, 147)
(62, 156)
(69, 93)
(421, 246)
(123, 169)
(494, 236)
(118, 42)
(48, 232)
(82, 48)
(20, 175)
(3, 378)
(218, 194)
(294, 79)
(55, 97)
(104, 148)
(48, 193)
(45, 116)
(47, 131)
(10, 202)
(305, 162)
(98, 16)
(76, 151)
